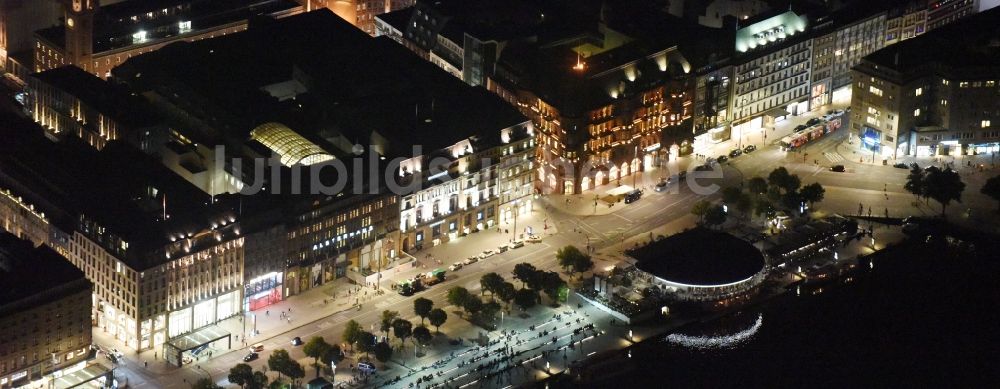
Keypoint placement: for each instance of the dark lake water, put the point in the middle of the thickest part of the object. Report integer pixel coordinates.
(926, 315)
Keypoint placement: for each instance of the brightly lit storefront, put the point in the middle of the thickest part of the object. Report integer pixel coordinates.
(262, 291)
(207, 312)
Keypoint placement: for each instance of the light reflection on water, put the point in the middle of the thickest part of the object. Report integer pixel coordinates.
(717, 342)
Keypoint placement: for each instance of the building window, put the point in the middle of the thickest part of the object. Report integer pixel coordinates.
(916, 112)
(984, 123)
(918, 92)
(944, 102)
(990, 83)
(875, 91)
(963, 84)
(945, 82)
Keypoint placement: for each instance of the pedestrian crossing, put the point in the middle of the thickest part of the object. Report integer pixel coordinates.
(833, 157)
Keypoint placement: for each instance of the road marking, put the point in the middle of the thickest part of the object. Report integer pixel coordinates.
(622, 217)
(834, 157)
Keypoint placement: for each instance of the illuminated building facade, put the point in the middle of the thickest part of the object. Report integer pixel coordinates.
(97, 38)
(162, 261)
(362, 13)
(771, 71)
(45, 313)
(840, 41)
(598, 110)
(470, 186)
(942, 12)
(906, 21)
(937, 94)
(68, 101)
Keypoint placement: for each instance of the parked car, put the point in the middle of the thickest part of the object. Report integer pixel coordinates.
(722, 159)
(296, 341)
(813, 122)
(257, 347)
(486, 254)
(749, 149)
(735, 153)
(837, 168)
(250, 357)
(517, 244)
(455, 266)
(534, 239)
(503, 248)
(471, 260)
(901, 166)
(800, 127)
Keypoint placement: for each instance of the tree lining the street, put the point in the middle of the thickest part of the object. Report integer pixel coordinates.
(315, 348)
(457, 296)
(525, 272)
(941, 185)
(506, 293)
(992, 189)
(403, 329)
(366, 342)
(205, 383)
(385, 322)
(241, 374)
(422, 335)
(351, 331)
(421, 307)
(490, 282)
(282, 363)
(526, 298)
(572, 260)
(382, 351)
(437, 318)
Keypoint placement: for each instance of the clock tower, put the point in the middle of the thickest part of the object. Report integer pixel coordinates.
(79, 16)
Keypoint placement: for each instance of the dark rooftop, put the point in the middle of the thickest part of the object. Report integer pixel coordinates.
(973, 42)
(101, 95)
(27, 271)
(114, 23)
(700, 257)
(357, 87)
(119, 188)
(398, 18)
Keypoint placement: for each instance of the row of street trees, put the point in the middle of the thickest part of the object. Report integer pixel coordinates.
(573, 261)
(942, 185)
(761, 195)
(243, 374)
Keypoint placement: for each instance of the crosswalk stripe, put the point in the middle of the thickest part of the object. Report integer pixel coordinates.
(833, 157)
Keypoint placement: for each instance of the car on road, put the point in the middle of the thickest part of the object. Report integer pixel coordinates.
(534, 239)
(800, 127)
(735, 153)
(722, 159)
(503, 248)
(836, 112)
(661, 186)
(296, 341)
(901, 166)
(814, 121)
(471, 260)
(749, 149)
(517, 244)
(455, 266)
(837, 168)
(486, 254)
(257, 347)
(682, 175)
(250, 357)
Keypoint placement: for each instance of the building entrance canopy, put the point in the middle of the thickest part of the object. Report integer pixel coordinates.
(173, 349)
(83, 376)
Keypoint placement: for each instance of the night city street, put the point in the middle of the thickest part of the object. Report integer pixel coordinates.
(498, 193)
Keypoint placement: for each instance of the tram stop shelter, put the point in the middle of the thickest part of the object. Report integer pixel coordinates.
(194, 343)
